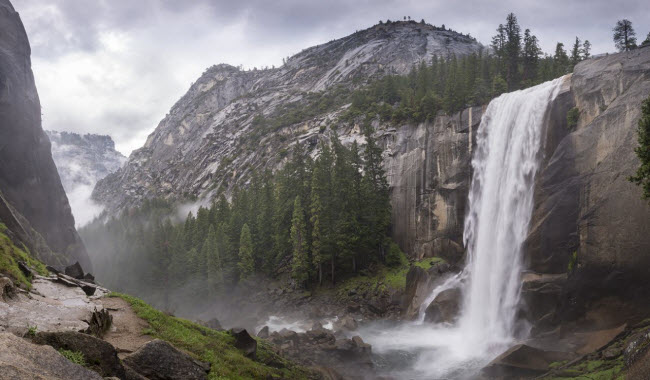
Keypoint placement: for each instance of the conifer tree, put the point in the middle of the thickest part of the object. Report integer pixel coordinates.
(642, 175)
(512, 50)
(531, 55)
(586, 49)
(624, 35)
(560, 60)
(300, 261)
(246, 264)
(576, 53)
(214, 263)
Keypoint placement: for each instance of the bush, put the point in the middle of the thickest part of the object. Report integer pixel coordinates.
(395, 255)
(572, 117)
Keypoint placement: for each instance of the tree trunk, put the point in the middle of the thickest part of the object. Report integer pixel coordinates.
(320, 274)
(333, 282)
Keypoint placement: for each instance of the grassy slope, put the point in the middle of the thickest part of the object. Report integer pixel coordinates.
(215, 347)
(10, 255)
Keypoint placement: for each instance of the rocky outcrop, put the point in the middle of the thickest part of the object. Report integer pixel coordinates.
(82, 160)
(226, 123)
(419, 285)
(522, 361)
(21, 360)
(589, 221)
(444, 308)
(29, 181)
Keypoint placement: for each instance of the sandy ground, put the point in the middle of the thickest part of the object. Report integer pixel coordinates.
(126, 332)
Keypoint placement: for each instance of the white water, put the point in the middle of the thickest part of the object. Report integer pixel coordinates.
(500, 205)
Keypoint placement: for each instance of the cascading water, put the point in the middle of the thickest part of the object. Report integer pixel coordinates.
(500, 205)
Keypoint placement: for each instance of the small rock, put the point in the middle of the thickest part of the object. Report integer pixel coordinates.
(88, 289)
(75, 271)
(89, 278)
(245, 342)
(27, 271)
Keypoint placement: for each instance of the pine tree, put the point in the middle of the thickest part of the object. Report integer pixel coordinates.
(560, 60)
(646, 42)
(512, 51)
(586, 49)
(575, 53)
(531, 55)
(642, 176)
(300, 261)
(214, 263)
(246, 264)
(624, 35)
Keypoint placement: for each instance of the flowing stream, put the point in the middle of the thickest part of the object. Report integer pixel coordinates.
(505, 163)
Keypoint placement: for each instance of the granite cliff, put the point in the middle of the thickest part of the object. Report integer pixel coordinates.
(33, 203)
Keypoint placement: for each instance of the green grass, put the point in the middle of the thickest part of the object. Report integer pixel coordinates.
(591, 369)
(10, 255)
(74, 356)
(215, 347)
(383, 278)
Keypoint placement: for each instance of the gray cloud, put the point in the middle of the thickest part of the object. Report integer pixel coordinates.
(117, 66)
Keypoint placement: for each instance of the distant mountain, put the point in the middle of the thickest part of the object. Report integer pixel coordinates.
(212, 137)
(82, 160)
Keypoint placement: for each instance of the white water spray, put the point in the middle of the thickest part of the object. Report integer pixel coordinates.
(504, 165)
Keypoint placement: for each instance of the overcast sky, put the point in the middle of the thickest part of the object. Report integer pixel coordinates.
(117, 66)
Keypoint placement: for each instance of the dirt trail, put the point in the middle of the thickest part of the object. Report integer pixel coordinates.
(126, 332)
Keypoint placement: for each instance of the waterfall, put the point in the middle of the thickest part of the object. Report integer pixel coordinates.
(505, 162)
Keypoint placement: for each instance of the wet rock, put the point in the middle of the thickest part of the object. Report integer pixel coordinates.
(27, 271)
(99, 354)
(418, 287)
(89, 278)
(88, 289)
(263, 333)
(637, 348)
(522, 361)
(7, 289)
(445, 307)
(346, 323)
(542, 295)
(22, 360)
(99, 322)
(159, 360)
(245, 342)
(75, 271)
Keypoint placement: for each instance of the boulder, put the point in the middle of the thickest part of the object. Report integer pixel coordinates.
(22, 360)
(418, 287)
(89, 278)
(7, 289)
(245, 342)
(522, 361)
(445, 307)
(159, 360)
(214, 324)
(75, 271)
(346, 323)
(99, 322)
(542, 295)
(99, 354)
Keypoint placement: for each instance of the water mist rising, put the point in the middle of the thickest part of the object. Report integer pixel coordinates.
(504, 166)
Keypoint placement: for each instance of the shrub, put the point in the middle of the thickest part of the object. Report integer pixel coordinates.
(74, 356)
(394, 256)
(572, 117)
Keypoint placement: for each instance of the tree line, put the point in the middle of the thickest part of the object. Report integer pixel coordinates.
(314, 219)
(450, 84)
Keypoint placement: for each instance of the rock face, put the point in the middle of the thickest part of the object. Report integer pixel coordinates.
(522, 361)
(216, 133)
(588, 219)
(82, 160)
(22, 360)
(445, 307)
(29, 182)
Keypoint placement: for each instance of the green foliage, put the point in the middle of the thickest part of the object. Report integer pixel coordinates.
(216, 347)
(394, 256)
(573, 261)
(624, 35)
(76, 357)
(10, 255)
(300, 262)
(246, 265)
(642, 176)
(31, 331)
(572, 117)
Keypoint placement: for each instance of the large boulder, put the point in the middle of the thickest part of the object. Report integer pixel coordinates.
(75, 271)
(522, 361)
(159, 360)
(7, 289)
(445, 307)
(419, 285)
(245, 342)
(542, 295)
(22, 360)
(99, 354)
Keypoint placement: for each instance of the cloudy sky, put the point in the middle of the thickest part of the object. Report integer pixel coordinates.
(117, 66)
